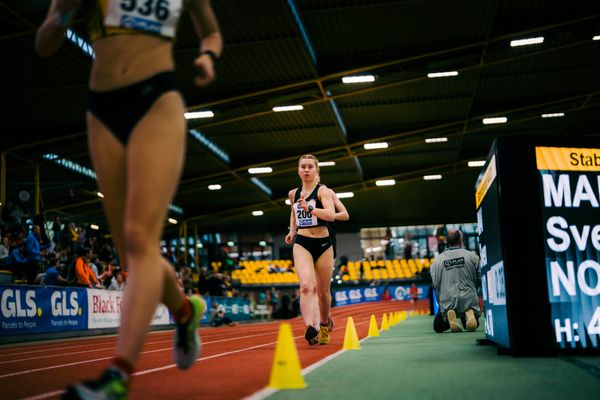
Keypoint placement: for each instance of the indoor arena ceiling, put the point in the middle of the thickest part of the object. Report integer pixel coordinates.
(295, 52)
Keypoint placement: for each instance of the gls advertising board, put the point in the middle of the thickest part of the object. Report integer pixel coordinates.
(31, 309)
(40, 309)
(570, 187)
(345, 297)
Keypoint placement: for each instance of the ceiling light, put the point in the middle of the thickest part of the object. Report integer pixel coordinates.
(198, 114)
(260, 170)
(495, 120)
(344, 195)
(358, 79)
(436, 140)
(297, 107)
(172, 221)
(476, 163)
(525, 42)
(553, 115)
(432, 177)
(288, 202)
(94, 227)
(326, 163)
(214, 187)
(442, 74)
(257, 213)
(99, 195)
(373, 146)
(385, 182)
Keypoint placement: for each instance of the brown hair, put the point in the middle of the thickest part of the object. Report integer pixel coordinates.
(454, 237)
(310, 157)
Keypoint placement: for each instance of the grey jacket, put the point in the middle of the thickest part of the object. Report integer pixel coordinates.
(455, 275)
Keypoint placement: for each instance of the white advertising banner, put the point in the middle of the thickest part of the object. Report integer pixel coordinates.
(104, 309)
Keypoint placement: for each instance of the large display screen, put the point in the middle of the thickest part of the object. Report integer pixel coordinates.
(490, 251)
(569, 180)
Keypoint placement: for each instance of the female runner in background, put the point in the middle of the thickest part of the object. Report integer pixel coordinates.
(311, 208)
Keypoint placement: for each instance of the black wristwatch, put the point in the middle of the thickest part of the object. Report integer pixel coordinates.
(212, 55)
(310, 208)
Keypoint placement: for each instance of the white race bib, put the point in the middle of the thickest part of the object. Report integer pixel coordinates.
(159, 17)
(305, 218)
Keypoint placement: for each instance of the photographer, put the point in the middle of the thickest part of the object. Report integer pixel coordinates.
(218, 317)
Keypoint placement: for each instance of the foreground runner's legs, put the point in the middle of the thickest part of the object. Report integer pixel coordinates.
(150, 279)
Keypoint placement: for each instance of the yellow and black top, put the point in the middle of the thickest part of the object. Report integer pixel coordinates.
(130, 17)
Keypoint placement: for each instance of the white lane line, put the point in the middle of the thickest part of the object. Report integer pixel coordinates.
(148, 371)
(112, 348)
(203, 331)
(45, 395)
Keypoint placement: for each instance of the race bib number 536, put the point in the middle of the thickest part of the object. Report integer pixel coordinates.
(153, 16)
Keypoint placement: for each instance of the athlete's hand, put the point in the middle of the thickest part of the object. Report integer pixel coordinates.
(302, 203)
(206, 70)
(289, 238)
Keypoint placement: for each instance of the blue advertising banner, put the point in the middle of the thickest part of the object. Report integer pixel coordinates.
(37, 309)
(374, 293)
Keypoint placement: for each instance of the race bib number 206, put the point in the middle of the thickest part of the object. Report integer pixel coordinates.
(153, 16)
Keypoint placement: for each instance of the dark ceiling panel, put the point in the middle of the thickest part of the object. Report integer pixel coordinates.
(267, 62)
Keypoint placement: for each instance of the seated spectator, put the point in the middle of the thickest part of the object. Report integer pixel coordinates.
(118, 282)
(83, 272)
(17, 261)
(53, 276)
(4, 249)
(218, 317)
(96, 267)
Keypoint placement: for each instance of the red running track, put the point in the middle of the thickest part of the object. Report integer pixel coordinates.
(235, 362)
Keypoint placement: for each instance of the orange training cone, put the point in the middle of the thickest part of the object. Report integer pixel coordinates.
(373, 329)
(285, 373)
(351, 338)
(384, 323)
